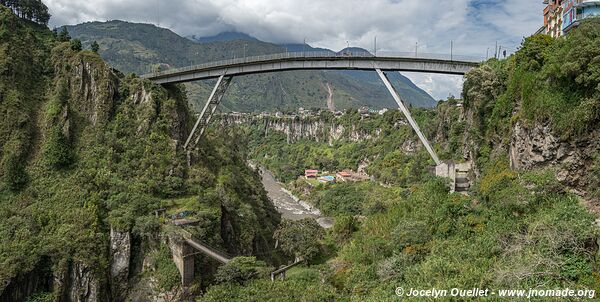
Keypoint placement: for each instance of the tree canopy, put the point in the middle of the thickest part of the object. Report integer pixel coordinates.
(33, 10)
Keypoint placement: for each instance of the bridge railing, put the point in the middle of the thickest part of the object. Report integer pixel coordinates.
(319, 54)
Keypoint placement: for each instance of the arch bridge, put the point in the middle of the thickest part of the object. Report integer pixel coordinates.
(225, 70)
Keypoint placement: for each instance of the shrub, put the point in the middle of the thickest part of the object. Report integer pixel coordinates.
(41, 297)
(15, 176)
(344, 227)
(165, 270)
(57, 150)
(410, 232)
(300, 238)
(76, 45)
(240, 269)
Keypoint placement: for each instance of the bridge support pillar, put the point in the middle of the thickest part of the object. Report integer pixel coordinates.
(184, 260)
(408, 116)
(207, 112)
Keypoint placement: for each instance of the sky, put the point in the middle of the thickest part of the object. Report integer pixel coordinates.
(472, 26)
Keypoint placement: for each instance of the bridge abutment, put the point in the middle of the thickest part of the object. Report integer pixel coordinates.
(183, 256)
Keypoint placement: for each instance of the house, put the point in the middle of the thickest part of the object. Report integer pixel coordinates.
(343, 176)
(349, 175)
(311, 173)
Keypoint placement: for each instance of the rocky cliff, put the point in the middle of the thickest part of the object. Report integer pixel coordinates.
(298, 128)
(539, 109)
(537, 146)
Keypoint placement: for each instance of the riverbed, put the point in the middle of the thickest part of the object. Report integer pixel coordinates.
(288, 205)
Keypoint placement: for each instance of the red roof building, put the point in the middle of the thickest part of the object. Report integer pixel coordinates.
(311, 173)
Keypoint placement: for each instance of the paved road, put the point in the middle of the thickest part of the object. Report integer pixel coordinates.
(290, 207)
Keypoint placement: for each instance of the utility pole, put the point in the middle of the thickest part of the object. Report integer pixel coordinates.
(245, 44)
(451, 50)
(487, 53)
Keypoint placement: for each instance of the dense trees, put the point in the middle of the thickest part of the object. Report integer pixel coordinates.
(300, 238)
(240, 270)
(33, 10)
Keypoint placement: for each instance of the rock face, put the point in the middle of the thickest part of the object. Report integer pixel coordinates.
(120, 250)
(80, 285)
(537, 147)
(21, 287)
(298, 128)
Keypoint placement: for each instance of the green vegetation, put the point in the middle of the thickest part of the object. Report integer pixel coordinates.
(95, 47)
(302, 239)
(33, 10)
(85, 150)
(163, 269)
(241, 269)
(301, 285)
(41, 297)
(431, 238)
(516, 229)
(76, 45)
(553, 80)
(384, 154)
(22, 86)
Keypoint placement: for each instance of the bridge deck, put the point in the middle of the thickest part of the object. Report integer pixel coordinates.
(457, 65)
(205, 249)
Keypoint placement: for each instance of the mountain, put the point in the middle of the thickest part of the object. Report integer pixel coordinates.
(141, 48)
(224, 36)
(299, 47)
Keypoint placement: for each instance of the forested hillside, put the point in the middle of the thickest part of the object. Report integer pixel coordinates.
(142, 48)
(88, 156)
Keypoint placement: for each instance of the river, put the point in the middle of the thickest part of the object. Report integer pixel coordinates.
(289, 206)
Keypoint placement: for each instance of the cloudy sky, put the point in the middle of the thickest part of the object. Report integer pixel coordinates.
(474, 26)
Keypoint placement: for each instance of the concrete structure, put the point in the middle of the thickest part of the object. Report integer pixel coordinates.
(226, 70)
(183, 250)
(458, 65)
(184, 260)
(553, 18)
(458, 173)
(576, 10)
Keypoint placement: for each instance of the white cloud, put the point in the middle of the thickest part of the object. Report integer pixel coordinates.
(440, 87)
(473, 25)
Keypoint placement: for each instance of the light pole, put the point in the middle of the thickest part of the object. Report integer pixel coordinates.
(304, 47)
(375, 46)
(451, 50)
(416, 49)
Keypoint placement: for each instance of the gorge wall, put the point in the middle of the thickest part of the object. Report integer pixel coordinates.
(88, 155)
(298, 128)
